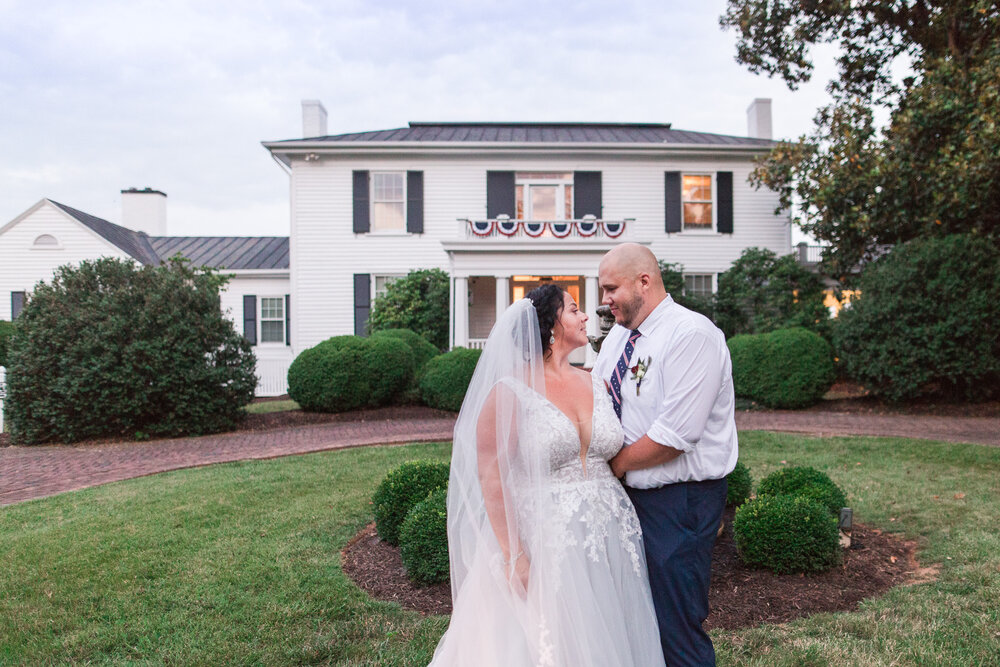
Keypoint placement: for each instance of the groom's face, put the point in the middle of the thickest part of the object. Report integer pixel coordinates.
(622, 294)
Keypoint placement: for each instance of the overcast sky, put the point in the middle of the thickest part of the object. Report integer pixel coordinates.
(98, 96)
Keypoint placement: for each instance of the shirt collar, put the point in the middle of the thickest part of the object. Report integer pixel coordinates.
(655, 317)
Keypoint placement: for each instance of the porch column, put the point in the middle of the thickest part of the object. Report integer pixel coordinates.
(592, 296)
(503, 295)
(461, 312)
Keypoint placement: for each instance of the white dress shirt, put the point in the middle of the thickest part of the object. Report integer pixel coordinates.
(685, 399)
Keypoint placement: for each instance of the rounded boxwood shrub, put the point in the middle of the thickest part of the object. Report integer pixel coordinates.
(6, 331)
(788, 368)
(806, 482)
(349, 372)
(787, 534)
(423, 539)
(446, 378)
(111, 348)
(401, 489)
(924, 321)
(739, 485)
(421, 349)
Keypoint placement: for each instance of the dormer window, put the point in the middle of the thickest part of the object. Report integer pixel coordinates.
(46, 241)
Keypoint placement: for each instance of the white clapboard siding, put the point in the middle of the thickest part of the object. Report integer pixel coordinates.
(325, 252)
(23, 265)
(273, 359)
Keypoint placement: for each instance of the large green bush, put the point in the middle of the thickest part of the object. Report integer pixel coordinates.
(787, 534)
(400, 490)
(739, 485)
(421, 350)
(762, 292)
(6, 331)
(925, 322)
(111, 348)
(423, 539)
(419, 302)
(788, 368)
(349, 372)
(446, 378)
(806, 482)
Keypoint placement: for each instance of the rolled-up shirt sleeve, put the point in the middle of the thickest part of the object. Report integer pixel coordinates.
(692, 381)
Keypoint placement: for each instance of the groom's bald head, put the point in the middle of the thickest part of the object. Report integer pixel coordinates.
(630, 277)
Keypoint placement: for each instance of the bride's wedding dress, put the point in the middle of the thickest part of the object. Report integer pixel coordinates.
(587, 601)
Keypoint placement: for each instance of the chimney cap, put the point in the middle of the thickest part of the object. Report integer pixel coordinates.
(144, 191)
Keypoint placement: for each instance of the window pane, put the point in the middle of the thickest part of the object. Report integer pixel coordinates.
(272, 308)
(697, 188)
(569, 202)
(519, 195)
(698, 284)
(544, 176)
(697, 215)
(272, 332)
(543, 202)
(386, 216)
(387, 187)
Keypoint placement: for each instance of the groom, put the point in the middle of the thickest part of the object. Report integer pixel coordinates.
(670, 378)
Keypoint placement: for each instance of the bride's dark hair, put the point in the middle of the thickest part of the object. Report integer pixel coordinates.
(548, 302)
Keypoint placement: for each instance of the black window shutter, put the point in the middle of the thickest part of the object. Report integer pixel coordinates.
(724, 193)
(250, 318)
(672, 200)
(587, 194)
(288, 320)
(362, 302)
(415, 202)
(500, 196)
(16, 304)
(362, 216)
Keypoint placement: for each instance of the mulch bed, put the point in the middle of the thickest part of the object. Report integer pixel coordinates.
(739, 597)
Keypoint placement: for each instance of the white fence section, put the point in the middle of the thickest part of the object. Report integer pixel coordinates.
(3, 393)
(477, 343)
(272, 377)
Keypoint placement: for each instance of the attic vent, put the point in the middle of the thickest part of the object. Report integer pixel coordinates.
(46, 241)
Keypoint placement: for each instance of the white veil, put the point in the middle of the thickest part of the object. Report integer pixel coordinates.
(497, 496)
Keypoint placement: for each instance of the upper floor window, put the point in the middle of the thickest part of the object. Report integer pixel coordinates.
(388, 201)
(543, 195)
(696, 196)
(272, 319)
(698, 284)
(46, 241)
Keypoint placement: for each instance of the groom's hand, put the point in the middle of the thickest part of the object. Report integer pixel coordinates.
(643, 453)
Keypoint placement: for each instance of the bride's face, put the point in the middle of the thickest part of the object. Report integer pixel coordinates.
(571, 327)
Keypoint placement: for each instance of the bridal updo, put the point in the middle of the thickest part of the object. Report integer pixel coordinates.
(548, 302)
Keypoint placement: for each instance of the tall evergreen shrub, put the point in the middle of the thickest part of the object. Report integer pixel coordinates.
(111, 348)
(6, 331)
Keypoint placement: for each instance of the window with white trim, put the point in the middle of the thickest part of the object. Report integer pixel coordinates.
(272, 319)
(380, 283)
(388, 197)
(544, 195)
(698, 284)
(696, 199)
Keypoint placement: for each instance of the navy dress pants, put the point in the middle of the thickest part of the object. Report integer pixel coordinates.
(679, 524)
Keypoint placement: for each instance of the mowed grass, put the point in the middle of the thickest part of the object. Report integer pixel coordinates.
(264, 407)
(239, 564)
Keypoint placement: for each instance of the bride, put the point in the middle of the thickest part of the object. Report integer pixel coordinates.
(547, 564)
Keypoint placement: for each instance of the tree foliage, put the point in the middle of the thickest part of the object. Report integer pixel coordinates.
(417, 301)
(935, 169)
(672, 274)
(110, 348)
(762, 292)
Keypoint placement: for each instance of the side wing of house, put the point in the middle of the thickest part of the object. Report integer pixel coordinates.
(35, 244)
(258, 306)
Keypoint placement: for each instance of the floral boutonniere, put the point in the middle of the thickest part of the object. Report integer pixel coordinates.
(639, 372)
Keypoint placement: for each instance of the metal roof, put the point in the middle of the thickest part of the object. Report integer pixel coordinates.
(219, 252)
(226, 252)
(594, 133)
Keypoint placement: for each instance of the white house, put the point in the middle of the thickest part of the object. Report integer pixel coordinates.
(503, 207)
(49, 235)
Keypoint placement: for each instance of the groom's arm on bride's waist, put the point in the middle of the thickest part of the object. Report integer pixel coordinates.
(692, 378)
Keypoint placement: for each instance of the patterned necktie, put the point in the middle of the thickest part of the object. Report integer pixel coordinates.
(620, 370)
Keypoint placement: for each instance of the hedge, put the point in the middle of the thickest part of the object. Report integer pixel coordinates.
(446, 378)
(787, 534)
(788, 368)
(739, 485)
(807, 482)
(6, 331)
(400, 490)
(423, 539)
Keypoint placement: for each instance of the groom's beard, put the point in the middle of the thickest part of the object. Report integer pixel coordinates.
(628, 310)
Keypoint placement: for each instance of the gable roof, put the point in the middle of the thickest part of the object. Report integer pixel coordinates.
(218, 252)
(542, 133)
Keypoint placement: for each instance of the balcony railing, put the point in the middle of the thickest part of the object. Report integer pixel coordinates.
(504, 227)
(809, 254)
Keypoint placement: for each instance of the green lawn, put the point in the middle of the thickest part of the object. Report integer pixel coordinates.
(263, 407)
(239, 564)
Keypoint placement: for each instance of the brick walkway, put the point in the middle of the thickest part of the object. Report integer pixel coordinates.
(35, 472)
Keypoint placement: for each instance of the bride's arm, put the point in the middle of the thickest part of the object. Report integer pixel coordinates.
(495, 495)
